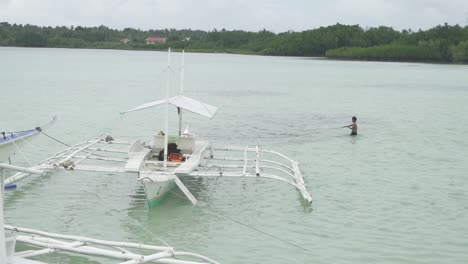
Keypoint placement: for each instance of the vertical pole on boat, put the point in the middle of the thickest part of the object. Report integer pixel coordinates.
(168, 83)
(2, 231)
(181, 89)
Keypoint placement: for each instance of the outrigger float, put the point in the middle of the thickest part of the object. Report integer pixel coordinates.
(43, 243)
(161, 163)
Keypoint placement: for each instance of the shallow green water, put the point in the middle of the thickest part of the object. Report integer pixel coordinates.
(397, 193)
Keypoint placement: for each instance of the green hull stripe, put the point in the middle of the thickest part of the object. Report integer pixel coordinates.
(156, 201)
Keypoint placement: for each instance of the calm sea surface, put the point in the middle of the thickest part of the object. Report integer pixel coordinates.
(397, 193)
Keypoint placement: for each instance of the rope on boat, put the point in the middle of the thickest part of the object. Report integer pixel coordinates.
(212, 189)
(59, 141)
(107, 139)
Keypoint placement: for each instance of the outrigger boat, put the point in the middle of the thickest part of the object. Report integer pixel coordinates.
(161, 163)
(45, 243)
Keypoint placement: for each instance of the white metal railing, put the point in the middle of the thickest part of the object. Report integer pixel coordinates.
(51, 242)
(237, 166)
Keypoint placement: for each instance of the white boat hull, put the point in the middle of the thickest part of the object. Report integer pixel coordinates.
(156, 186)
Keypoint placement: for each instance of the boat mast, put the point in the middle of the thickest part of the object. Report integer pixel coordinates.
(168, 84)
(181, 91)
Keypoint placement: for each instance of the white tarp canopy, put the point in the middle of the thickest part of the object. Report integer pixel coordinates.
(182, 102)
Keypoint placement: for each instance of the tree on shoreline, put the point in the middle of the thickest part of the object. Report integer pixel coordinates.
(443, 43)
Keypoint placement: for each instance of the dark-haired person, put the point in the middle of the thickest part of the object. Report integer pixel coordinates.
(353, 127)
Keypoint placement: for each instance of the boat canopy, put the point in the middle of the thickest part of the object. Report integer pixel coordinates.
(182, 102)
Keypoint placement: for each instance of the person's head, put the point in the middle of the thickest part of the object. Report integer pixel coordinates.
(354, 119)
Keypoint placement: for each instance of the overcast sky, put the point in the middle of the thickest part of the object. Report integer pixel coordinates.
(252, 15)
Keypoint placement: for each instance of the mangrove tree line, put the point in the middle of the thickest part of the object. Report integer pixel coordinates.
(443, 43)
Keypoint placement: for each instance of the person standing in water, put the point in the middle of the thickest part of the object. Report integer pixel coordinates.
(353, 127)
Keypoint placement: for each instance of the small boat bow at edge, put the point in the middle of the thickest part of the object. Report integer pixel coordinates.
(10, 140)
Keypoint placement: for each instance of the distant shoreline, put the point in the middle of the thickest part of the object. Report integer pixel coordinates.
(444, 44)
(248, 53)
(403, 61)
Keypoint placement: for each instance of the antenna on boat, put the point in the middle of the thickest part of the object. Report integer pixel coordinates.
(182, 73)
(181, 91)
(168, 84)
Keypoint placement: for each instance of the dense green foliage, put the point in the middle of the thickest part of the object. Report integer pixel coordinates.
(393, 52)
(443, 43)
(439, 44)
(460, 52)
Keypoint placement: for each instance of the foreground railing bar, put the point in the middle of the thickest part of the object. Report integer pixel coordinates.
(25, 252)
(179, 261)
(44, 251)
(145, 259)
(175, 261)
(86, 251)
(4, 166)
(52, 245)
(18, 176)
(85, 239)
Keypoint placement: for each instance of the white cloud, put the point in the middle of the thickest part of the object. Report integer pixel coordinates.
(273, 15)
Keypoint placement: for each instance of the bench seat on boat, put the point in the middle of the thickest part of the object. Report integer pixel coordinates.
(193, 160)
(137, 154)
